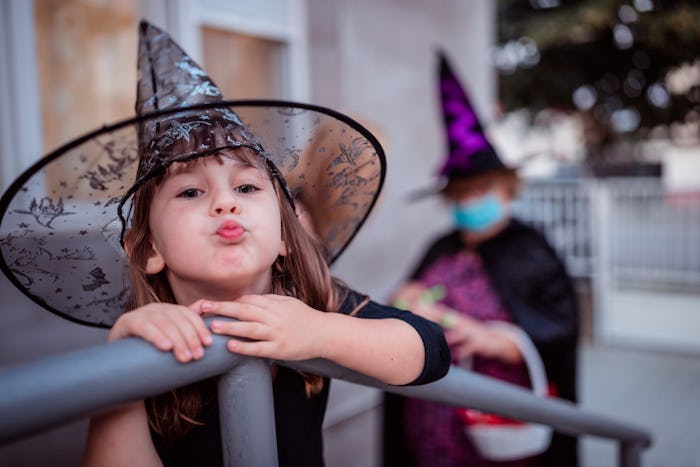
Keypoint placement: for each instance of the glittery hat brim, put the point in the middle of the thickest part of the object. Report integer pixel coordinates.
(60, 229)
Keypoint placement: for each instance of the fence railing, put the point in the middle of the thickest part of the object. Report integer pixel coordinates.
(636, 230)
(58, 389)
(562, 210)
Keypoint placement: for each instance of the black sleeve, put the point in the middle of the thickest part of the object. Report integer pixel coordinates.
(437, 352)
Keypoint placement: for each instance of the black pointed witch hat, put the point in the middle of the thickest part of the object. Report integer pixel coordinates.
(62, 220)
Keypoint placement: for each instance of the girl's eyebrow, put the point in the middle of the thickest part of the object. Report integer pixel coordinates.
(188, 168)
(179, 168)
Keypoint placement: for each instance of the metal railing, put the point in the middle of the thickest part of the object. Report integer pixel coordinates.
(642, 234)
(562, 209)
(58, 389)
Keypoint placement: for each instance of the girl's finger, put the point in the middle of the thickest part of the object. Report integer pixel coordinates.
(464, 351)
(453, 338)
(189, 334)
(151, 333)
(252, 349)
(460, 340)
(239, 311)
(200, 328)
(245, 329)
(199, 307)
(171, 329)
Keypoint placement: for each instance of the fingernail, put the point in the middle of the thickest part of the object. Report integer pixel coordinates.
(198, 353)
(207, 340)
(215, 326)
(207, 306)
(232, 345)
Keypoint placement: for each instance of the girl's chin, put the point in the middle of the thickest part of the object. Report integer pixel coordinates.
(232, 287)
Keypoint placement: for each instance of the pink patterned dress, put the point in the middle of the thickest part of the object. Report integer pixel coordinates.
(434, 431)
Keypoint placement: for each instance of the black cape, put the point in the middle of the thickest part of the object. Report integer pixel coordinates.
(534, 287)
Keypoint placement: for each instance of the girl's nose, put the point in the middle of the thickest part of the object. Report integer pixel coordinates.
(224, 203)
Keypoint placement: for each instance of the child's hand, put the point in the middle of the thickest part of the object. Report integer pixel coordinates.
(408, 296)
(283, 328)
(468, 337)
(421, 300)
(168, 327)
(434, 312)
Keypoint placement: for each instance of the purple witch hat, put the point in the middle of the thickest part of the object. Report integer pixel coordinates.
(469, 152)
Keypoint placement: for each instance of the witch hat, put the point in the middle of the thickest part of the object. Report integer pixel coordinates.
(63, 219)
(170, 80)
(469, 152)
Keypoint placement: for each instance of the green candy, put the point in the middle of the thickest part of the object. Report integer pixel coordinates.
(433, 295)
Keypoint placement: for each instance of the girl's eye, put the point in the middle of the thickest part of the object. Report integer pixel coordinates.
(190, 193)
(246, 189)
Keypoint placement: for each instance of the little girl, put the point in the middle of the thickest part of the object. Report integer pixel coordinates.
(210, 228)
(245, 251)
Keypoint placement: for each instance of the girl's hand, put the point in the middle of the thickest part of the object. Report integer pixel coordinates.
(468, 337)
(434, 312)
(408, 296)
(283, 328)
(168, 327)
(421, 300)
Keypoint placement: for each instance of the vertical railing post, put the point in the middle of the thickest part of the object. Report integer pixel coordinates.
(602, 238)
(630, 454)
(247, 415)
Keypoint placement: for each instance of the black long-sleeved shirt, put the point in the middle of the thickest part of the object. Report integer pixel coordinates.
(298, 418)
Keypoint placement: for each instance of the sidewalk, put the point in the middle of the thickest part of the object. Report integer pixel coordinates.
(654, 390)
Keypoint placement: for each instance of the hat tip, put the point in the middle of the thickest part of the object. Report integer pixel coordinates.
(445, 67)
(145, 26)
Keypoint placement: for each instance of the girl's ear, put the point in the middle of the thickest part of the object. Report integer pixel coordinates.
(283, 249)
(154, 260)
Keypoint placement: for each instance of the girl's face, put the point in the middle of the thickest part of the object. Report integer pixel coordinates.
(215, 229)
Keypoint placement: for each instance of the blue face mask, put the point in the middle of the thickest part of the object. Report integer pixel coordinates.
(479, 214)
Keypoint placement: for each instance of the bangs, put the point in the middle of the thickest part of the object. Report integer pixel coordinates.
(244, 156)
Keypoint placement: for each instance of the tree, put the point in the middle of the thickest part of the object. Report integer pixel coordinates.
(629, 68)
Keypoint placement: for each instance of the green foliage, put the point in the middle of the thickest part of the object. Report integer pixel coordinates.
(619, 51)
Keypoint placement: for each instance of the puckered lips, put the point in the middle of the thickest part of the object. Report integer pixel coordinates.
(230, 230)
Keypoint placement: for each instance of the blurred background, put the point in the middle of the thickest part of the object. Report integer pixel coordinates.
(596, 101)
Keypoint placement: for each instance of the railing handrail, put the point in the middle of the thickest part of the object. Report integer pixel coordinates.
(57, 389)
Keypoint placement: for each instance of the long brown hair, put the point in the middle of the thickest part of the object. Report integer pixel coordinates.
(303, 273)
